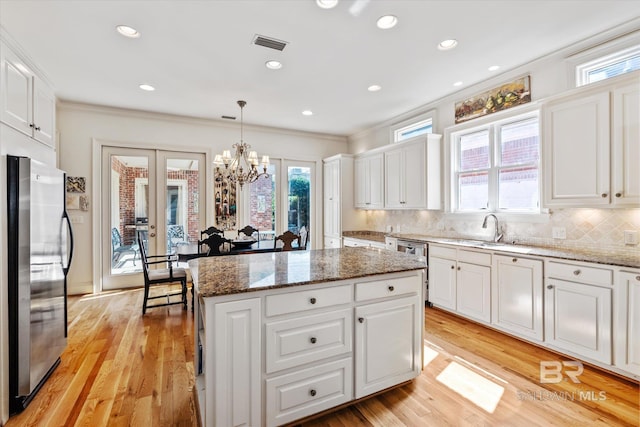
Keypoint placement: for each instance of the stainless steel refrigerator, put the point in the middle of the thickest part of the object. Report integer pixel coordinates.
(40, 248)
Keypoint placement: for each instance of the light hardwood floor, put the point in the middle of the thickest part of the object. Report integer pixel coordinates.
(124, 369)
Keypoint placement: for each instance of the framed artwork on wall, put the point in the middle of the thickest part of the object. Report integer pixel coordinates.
(499, 98)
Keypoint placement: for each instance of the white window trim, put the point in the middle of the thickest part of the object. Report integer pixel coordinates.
(450, 157)
(610, 48)
(431, 114)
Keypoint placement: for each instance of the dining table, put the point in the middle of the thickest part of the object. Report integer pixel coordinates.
(188, 251)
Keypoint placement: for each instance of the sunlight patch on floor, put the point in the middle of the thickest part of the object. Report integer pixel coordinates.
(429, 355)
(479, 390)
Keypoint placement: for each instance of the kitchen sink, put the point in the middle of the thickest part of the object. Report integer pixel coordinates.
(506, 247)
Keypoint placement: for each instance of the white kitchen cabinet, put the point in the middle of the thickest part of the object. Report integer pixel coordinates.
(369, 181)
(517, 296)
(236, 395)
(339, 210)
(578, 316)
(460, 280)
(627, 322)
(388, 335)
(26, 102)
(412, 174)
(596, 129)
(625, 148)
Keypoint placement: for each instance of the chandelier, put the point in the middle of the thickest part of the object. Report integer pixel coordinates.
(243, 166)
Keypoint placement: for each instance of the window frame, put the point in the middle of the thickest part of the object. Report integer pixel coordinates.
(493, 128)
(582, 70)
(407, 124)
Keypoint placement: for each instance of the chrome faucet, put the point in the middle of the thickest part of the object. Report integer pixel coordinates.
(497, 235)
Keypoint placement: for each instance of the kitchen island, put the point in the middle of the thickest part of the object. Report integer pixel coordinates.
(283, 336)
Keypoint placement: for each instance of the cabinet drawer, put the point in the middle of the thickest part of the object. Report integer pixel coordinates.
(307, 339)
(442, 251)
(580, 273)
(294, 302)
(388, 288)
(473, 257)
(309, 391)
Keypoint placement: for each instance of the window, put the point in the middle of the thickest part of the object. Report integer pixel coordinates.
(496, 167)
(416, 126)
(607, 66)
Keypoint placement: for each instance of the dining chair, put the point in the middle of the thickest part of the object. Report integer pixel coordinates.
(213, 243)
(287, 238)
(211, 231)
(249, 231)
(118, 248)
(161, 276)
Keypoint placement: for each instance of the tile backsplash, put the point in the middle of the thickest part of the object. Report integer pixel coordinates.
(584, 228)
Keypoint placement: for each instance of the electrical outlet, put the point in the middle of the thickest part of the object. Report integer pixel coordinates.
(630, 237)
(559, 233)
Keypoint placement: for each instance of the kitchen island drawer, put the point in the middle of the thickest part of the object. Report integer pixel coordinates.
(302, 393)
(580, 273)
(302, 340)
(293, 302)
(391, 287)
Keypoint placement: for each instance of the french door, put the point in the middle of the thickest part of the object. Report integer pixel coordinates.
(155, 194)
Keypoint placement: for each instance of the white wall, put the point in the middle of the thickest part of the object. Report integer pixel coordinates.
(80, 125)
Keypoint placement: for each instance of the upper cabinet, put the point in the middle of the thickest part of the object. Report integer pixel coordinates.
(369, 182)
(412, 174)
(27, 103)
(595, 129)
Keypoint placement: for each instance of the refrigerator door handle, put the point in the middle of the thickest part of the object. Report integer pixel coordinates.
(65, 215)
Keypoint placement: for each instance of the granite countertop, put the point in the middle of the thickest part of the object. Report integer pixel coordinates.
(630, 258)
(375, 236)
(225, 275)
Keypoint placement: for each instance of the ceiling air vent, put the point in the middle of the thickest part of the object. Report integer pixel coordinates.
(269, 42)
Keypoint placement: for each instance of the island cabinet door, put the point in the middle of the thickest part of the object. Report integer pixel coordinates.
(236, 400)
(387, 349)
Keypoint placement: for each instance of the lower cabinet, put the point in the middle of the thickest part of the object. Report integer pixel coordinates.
(387, 338)
(627, 322)
(282, 355)
(517, 296)
(578, 315)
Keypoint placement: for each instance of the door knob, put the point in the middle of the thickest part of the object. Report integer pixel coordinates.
(152, 227)
(152, 234)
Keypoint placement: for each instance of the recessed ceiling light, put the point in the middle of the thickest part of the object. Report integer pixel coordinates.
(147, 87)
(386, 22)
(327, 4)
(307, 113)
(493, 67)
(127, 31)
(374, 88)
(457, 84)
(273, 64)
(447, 44)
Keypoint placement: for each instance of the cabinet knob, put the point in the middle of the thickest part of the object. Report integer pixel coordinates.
(550, 287)
(312, 300)
(152, 234)
(603, 195)
(37, 128)
(514, 260)
(391, 288)
(313, 340)
(618, 194)
(459, 269)
(31, 125)
(638, 278)
(312, 392)
(361, 319)
(576, 272)
(452, 267)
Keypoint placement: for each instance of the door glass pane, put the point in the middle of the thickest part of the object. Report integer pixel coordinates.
(129, 210)
(262, 204)
(299, 203)
(182, 210)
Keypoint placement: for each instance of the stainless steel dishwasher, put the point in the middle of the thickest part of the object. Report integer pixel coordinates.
(421, 250)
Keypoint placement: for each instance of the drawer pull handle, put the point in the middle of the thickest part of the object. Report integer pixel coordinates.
(312, 392)
(576, 272)
(313, 340)
(514, 260)
(550, 287)
(391, 288)
(361, 319)
(312, 300)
